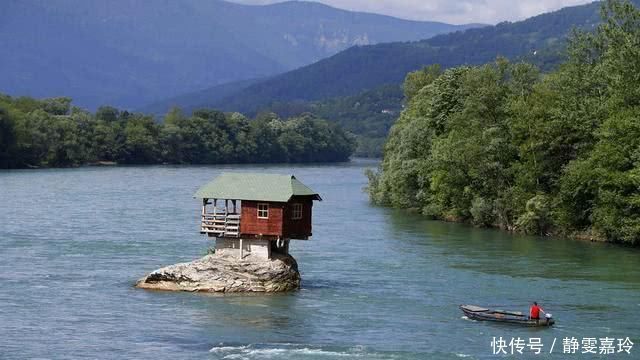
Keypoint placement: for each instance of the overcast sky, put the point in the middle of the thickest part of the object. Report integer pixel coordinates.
(451, 11)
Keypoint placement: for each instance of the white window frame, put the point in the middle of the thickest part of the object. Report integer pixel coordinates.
(296, 211)
(263, 208)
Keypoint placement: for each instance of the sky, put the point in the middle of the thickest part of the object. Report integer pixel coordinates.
(449, 11)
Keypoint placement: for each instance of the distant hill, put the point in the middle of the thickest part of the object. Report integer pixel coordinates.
(359, 88)
(365, 67)
(198, 99)
(129, 53)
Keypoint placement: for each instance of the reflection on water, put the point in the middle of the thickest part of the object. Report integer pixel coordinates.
(497, 252)
(377, 283)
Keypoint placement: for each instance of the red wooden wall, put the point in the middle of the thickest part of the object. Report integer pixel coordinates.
(300, 228)
(280, 222)
(251, 225)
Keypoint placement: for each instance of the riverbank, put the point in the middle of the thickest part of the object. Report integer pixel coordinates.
(98, 164)
(584, 236)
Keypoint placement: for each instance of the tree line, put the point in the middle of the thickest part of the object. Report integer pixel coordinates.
(503, 145)
(52, 133)
(368, 115)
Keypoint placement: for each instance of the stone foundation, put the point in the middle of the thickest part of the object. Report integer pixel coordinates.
(226, 273)
(257, 248)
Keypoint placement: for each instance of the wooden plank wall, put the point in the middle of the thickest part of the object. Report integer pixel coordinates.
(298, 229)
(252, 225)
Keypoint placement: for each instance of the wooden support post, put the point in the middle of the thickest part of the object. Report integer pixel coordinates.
(241, 249)
(204, 211)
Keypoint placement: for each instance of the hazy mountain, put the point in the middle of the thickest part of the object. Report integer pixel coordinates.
(132, 52)
(366, 67)
(198, 99)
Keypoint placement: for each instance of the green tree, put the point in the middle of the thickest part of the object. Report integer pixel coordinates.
(603, 190)
(141, 140)
(7, 141)
(417, 80)
(108, 114)
(57, 106)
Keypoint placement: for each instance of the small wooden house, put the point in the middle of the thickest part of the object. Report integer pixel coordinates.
(256, 214)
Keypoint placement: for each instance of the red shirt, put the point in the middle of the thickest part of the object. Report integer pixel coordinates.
(535, 311)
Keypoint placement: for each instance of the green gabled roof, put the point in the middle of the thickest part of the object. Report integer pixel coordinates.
(259, 187)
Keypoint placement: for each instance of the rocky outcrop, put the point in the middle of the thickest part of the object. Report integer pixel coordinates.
(227, 274)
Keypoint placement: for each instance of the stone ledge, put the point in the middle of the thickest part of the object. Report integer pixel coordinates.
(227, 274)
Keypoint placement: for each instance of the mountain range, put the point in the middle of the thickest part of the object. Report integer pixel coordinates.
(360, 88)
(129, 53)
(540, 39)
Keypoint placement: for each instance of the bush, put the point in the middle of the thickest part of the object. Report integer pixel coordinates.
(482, 212)
(536, 219)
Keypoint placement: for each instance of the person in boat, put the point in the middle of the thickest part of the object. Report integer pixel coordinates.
(534, 312)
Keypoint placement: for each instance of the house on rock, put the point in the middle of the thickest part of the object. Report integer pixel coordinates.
(256, 214)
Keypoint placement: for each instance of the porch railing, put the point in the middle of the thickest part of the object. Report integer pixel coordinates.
(221, 224)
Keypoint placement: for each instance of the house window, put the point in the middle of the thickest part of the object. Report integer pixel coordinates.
(263, 211)
(297, 212)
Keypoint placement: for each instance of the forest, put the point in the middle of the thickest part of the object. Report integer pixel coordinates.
(502, 145)
(53, 133)
(368, 115)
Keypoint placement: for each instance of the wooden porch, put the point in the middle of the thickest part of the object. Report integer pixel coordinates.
(221, 223)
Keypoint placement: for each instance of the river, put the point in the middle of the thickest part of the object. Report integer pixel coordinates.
(377, 283)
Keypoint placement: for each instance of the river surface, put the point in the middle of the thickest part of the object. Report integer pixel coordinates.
(377, 283)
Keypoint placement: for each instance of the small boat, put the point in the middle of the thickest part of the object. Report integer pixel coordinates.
(513, 317)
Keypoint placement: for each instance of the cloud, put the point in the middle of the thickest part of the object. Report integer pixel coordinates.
(450, 11)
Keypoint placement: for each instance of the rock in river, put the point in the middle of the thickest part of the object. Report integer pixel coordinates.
(227, 274)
